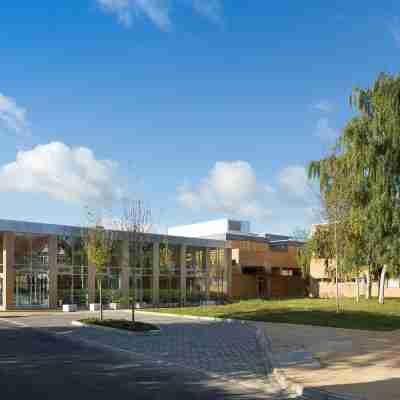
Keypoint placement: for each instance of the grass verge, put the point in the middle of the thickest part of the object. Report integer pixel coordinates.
(121, 324)
(366, 315)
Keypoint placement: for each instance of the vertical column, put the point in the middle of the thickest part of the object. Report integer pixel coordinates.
(9, 270)
(228, 269)
(156, 273)
(125, 273)
(207, 274)
(182, 262)
(53, 271)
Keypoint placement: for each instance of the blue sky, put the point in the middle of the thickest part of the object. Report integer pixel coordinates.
(204, 108)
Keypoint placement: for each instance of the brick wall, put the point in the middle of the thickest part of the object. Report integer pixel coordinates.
(348, 289)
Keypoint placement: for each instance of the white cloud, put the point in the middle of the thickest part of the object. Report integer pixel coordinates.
(395, 30)
(69, 174)
(229, 188)
(325, 106)
(212, 9)
(158, 11)
(232, 189)
(325, 132)
(12, 116)
(294, 181)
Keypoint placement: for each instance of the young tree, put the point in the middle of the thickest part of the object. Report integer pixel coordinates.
(99, 243)
(136, 223)
(334, 193)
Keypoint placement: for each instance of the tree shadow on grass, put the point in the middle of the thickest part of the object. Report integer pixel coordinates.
(362, 320)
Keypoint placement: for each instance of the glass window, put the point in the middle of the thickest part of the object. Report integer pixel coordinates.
(170, 292)
(79, 256)
(32, 289)
(221, 256)
(116, 253)
(212, 255)
(40, 251)
(169, 258)
(64, 250)
(195, 290)
(195, 259)
(23, 250)
(141, 259)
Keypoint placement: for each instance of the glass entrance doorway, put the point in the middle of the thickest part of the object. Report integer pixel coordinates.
(32, 289)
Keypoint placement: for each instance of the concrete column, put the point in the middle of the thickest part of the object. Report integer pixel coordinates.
(228, 269)
(53, 271)
(156, 274)
(8, 270)
(182, 262)
(125, 273)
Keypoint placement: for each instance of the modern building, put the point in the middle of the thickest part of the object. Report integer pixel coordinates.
(263, 265)
(44, 265)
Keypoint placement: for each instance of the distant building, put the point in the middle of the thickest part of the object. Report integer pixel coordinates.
(263, 265)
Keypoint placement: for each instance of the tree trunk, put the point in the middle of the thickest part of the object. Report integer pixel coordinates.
(357, 289)
(101, 300)
(133, 295)
(368, 291)
(382, 285)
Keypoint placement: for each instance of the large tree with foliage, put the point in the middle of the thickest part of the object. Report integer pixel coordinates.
(369, 174)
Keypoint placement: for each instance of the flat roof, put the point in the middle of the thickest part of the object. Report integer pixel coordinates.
(52, 229)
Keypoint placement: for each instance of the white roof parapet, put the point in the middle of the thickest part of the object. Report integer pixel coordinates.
(52, 229)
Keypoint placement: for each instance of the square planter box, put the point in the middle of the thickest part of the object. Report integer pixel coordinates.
(114, 306)
(94, 307)
(69, 307)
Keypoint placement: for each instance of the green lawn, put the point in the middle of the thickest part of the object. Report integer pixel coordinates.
(367, 315)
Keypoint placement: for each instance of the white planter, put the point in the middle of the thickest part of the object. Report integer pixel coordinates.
(94, 307)
(114, 306)
(69, 307)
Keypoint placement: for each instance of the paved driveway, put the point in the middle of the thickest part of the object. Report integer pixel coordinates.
(218, 351)
(37, 365)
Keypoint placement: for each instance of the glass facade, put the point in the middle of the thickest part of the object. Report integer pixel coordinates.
(141, 272)
(217, 274)
(111, 277)
(196, 271)
(35, 266)
(72, 269)
(32, 270)
(169, 281)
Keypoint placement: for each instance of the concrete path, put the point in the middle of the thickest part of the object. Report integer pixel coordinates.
(362, 363)
(219, 351)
